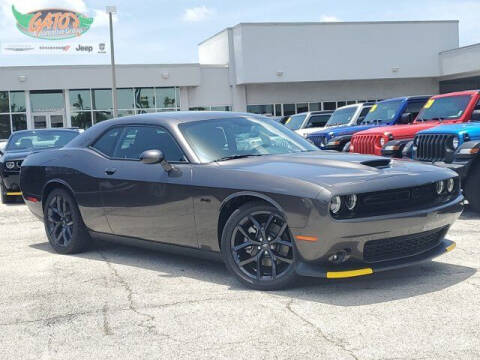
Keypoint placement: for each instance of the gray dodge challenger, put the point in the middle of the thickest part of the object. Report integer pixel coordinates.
(242, 188)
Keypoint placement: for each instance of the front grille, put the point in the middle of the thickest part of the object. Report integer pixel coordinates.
(318, 140)
(432, 147)
(402, 246)
(365, 144)
(395, 201)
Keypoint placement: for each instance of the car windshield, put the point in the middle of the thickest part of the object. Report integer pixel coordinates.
(383, 112)
(228, 138)
(342, 116)
(294, 122)
(451, 107)
(36, 140)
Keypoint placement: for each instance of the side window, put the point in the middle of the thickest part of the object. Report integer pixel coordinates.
(476, 112)
(363, 113)
(414, 108)
(317, 121)
(106, 143)
(137, 139)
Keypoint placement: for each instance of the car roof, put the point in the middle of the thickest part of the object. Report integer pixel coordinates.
(457, 93)
(49, 129)
(407, 98)
(316, 112)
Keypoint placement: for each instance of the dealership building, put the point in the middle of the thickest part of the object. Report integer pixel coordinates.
(269, 68)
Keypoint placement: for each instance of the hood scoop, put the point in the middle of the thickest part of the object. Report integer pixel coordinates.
(377, 163)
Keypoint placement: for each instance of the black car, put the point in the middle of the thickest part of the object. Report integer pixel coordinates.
(19, 146)
(247, 189)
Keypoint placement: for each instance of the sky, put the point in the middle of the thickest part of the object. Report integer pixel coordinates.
(159, 31)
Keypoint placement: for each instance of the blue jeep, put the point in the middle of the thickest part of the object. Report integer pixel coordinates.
(401, 110)
(455, 146)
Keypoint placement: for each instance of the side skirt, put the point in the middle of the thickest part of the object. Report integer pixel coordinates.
(158, 246)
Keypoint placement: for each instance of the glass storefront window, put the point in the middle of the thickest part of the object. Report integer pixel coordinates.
(47, 100)
(99, 116)
(82, 120)
(125, 98)
(302, 107)
(19, 122)
(3, 101)
(5, 128)
(316, 106)
(177, 96)
(80, 100)
(329, 105)
(288, 109)
(121, 113)
(144, 98)
(278, 109)
(220, 108)
(17, 101)
(260, 109)
(102, 99)
(165, 97)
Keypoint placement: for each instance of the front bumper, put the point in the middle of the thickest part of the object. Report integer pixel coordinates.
(308, 269)
(11, 182)
(333, 236)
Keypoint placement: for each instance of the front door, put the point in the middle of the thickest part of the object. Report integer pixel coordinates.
(143, 200)
(48, 120)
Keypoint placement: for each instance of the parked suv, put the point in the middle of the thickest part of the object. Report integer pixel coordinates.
(401, 110)
(451, 108)
(307, 122)
(456, 147)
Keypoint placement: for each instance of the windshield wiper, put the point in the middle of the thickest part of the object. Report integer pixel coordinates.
(233, 157)
(433, 119)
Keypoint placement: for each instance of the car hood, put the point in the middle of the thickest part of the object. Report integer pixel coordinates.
(472, 129)
(399, 131)
(340, 131)
(333, 171)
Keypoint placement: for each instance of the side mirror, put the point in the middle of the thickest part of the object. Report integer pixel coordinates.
(406, 118)
(155, 157)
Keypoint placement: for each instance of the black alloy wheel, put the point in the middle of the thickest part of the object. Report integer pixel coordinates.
(64, 226)
(258, 248)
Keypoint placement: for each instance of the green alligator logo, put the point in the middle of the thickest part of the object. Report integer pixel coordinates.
(52, 24)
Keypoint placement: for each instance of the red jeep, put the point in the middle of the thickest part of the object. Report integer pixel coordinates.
(456, 107)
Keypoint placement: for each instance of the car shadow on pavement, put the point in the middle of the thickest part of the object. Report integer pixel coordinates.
(469, 214)
(377, 288)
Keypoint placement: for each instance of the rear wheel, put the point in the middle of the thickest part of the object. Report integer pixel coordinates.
(258, 248)
(472, 189)
(65, 229)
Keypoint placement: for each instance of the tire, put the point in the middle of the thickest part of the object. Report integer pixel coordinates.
(346, 147)
(64, 226)
(267, 260)
(472, 189)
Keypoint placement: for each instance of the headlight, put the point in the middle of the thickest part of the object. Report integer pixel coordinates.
(455, 142)
(450, 185)
(439, 187)
(10, 164)
(382, 141)
(351, 201)
(335, 204)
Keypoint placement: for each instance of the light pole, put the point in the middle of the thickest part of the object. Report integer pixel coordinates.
(110, 11)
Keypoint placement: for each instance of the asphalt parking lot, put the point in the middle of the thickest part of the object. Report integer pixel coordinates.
(118, 302)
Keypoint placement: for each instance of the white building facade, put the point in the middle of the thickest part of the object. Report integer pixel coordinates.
(272, 68)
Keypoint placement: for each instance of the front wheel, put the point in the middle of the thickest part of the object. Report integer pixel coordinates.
(472, 189)
(6, 199)
(346, 147)
(257, 247)
(65, 229)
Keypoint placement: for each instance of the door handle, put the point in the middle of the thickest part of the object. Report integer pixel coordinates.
(110, 171)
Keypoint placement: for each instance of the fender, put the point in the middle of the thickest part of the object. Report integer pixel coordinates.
(253, 194)
(394, 148)
(58, 181)
(337, 143)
